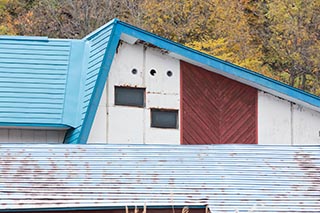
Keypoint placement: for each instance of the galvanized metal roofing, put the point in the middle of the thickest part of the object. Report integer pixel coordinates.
(224, 177)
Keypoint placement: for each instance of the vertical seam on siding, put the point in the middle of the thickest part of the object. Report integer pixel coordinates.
(145, 110)
(85, 64)
(181, 102)
(66, 81)
(257, 117)
(291, 122)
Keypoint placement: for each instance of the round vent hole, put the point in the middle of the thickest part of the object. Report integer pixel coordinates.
(134, 71)
(153, 72)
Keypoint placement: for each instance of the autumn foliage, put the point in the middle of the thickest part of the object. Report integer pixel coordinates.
(278, 38)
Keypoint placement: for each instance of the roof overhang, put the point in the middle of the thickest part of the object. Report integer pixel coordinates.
(132, 34)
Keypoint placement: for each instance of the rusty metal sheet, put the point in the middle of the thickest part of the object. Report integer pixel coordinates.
(224, 177)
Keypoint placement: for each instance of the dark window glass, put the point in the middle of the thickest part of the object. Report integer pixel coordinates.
(129, 96)
(164, 118)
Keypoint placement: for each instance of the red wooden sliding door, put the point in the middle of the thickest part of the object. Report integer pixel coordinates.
(216, 109)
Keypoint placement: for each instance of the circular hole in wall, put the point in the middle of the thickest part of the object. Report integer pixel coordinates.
(169, 73)
(153, 72)
(134, 71)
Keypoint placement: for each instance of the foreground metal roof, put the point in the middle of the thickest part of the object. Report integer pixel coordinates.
(224, 177)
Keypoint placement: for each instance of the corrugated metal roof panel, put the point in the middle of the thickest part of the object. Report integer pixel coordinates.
(225, 177)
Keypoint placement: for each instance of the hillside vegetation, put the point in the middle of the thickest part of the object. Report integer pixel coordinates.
(278, 38)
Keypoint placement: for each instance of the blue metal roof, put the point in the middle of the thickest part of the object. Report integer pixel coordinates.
(224, 177)
(99, 56)
(38, 81)
(59, 82)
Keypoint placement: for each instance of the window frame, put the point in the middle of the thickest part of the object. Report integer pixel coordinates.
(153, 125)
(143, 89)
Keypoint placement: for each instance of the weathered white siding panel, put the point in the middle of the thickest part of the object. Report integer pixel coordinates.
(40, 135)
(127, 58)
(27, 136)
(162, 63)
(163, 92)
(4, 135)
(306, 126)
(15, 135)
(283, 122)
(168, 101)
(98, 132)
(124, 124)
(31, 136)
(54, 136)
(274, 120)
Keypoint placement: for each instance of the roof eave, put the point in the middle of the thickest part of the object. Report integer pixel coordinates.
(225, 68)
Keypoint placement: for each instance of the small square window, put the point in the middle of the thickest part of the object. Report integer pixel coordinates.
(129, 96)
(163, 118)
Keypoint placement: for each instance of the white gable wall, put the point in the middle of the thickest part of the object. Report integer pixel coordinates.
(279, 121)
(285, 123)
(125, 124)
